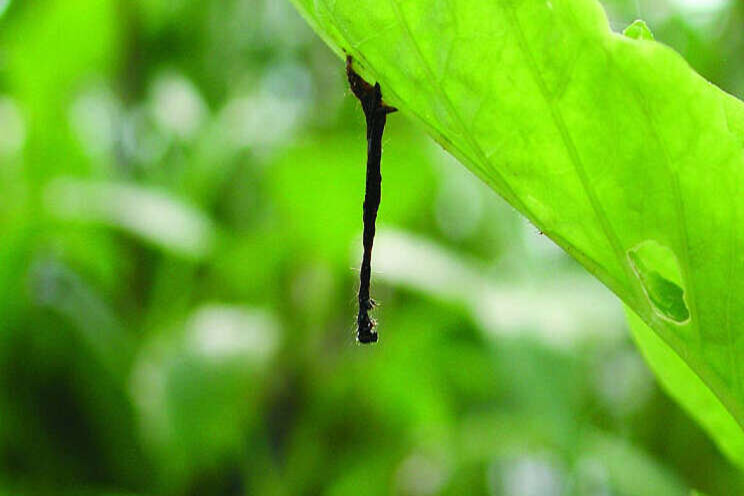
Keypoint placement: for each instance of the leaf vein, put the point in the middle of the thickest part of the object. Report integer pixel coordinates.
(571, 150)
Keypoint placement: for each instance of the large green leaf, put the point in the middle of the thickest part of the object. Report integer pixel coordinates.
(612, 145)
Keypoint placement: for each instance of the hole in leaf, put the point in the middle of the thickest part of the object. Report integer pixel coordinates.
(658, 271)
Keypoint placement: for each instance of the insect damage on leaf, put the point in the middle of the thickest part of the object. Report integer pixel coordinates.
(375, 112)
(660, 276)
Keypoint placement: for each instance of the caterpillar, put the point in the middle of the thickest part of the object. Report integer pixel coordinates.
(375, 112)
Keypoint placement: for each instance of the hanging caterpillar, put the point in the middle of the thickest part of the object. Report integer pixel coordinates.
(375, 112)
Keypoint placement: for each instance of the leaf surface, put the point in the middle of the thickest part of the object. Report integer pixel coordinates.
(612, 145)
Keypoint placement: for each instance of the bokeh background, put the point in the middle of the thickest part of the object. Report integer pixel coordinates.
(180, 217)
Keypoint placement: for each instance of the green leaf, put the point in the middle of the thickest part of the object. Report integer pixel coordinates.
(612, 145)
(638, 30)
(679, 380)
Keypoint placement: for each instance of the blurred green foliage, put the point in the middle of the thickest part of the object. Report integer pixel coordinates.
(180, 212)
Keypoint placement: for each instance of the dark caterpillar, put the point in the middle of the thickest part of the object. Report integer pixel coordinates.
(375, 111)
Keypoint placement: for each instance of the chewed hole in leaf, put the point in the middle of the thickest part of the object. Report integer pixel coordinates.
(658, 271)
